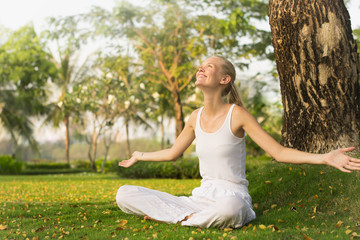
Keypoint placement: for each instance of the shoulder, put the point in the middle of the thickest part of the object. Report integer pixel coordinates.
(239, 111)
(192, 118)
(240, 115)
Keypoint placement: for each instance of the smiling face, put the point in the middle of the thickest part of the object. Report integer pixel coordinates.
(209, 73)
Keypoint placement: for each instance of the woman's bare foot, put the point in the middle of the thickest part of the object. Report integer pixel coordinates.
(147, 218)
(186, 218)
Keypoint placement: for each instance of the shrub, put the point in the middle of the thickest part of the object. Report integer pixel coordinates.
(81, 164)
(9, 165)
(48, 166)
(181, 169)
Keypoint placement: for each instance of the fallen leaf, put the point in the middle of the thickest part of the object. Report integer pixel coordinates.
(354, 234)
(275, 228)
(339, 223)
(347, 232)
(306, 237)
(261, 226)
(281, 221)
(267, 182)
(3, 227)
(228, 229)
(123, 222)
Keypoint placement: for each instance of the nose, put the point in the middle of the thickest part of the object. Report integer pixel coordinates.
(201, 69)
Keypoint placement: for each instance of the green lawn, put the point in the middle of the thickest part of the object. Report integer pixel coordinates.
(291, 202)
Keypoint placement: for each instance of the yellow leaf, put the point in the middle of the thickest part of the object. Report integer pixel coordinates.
(123, 222)
(281, 221)
(261, 226)
(256, 205)
(347, 232)
(228, 229)
(274, 206)
(307, 237)
(267, 182)
(2, 227)
(339, 223)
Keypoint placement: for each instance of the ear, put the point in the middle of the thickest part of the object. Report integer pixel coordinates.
(225, 79)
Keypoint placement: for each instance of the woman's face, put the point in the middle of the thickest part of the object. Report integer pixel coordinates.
(209, 73)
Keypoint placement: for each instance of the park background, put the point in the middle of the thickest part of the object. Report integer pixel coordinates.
(93, 72)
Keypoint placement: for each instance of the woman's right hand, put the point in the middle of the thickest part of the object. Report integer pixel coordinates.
(134, 158)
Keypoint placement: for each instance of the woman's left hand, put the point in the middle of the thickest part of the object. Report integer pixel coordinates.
(339, 160)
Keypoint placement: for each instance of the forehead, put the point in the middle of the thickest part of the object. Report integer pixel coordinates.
(212, 60)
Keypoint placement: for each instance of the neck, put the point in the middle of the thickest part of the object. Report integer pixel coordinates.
(213, 103)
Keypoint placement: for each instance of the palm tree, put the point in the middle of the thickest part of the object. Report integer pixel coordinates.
(69, 73)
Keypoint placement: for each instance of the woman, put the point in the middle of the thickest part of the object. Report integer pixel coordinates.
(222, 200)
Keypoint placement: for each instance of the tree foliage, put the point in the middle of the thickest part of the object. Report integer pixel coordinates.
(26, 68)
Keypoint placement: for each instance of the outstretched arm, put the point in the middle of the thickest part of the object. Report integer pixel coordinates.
(182, 142)
(335, 158)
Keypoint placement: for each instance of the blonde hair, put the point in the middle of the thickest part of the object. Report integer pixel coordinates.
(231, 89)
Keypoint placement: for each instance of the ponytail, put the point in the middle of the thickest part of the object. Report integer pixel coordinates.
(231, 89)
(234, 97)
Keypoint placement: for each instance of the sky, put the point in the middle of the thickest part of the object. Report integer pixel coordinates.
(17, 13)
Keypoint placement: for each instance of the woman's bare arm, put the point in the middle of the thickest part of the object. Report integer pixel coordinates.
(182, 142)
(335, 158)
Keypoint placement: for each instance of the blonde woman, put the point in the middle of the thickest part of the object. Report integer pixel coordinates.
(222, 200)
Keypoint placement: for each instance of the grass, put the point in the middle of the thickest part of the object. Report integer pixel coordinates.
(291, 202)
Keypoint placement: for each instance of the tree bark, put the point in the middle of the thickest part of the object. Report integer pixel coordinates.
(128, 149)
(318, 66)
(94, 149)
(179, 115)
(162, 132)
(67, 139)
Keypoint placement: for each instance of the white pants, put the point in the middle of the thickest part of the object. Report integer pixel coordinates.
(215, 203)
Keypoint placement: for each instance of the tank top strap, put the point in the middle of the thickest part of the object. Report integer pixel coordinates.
(198, 118)
(227, 122)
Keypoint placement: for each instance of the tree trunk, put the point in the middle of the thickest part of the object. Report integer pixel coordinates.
(179, 115)
(318, 66)
(128, 150)
(162, 132)
(107, 147)
(94, 149)
(67, 139)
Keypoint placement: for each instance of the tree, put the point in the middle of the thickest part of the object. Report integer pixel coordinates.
(167, 42)
(318, 67)
(70, 71)
(130, 93)
(26, 68)
(231, 28)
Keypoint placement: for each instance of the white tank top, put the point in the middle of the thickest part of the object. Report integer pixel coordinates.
(221, 154)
